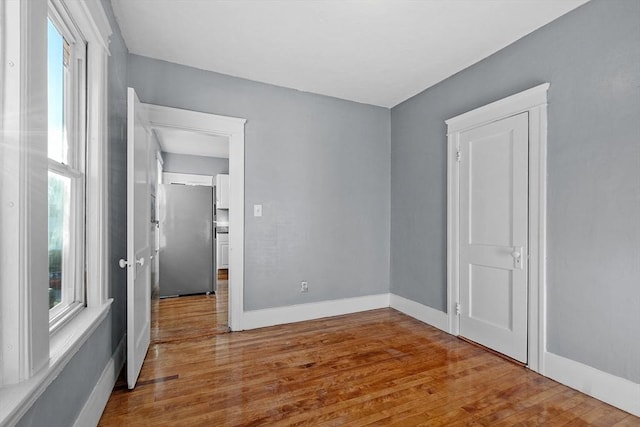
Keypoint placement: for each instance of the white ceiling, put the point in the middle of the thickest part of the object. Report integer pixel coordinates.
(193, 143)
(378, 52)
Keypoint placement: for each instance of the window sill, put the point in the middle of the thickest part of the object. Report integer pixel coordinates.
(66, 316)
(16, 399)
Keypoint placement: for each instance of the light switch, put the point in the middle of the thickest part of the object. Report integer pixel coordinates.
(257, 210)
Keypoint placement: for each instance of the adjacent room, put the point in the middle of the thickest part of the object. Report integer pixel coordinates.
(339, 212)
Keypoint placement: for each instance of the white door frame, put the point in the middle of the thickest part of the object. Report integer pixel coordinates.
(233, 128)
(533, 101)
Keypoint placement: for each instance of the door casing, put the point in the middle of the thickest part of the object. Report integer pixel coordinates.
(533, 101)
(233, 129)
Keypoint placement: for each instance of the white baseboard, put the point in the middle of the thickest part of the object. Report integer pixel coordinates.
(424, 313)
(611, 389)
(94, 406)
(298, 313)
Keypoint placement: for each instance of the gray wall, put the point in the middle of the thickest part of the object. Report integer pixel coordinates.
(199, 165)
(62, 401)
(591, 57)
(320, 168)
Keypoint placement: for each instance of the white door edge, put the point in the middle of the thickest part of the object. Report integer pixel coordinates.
(233, 128)
(138, 332)
(533, 101)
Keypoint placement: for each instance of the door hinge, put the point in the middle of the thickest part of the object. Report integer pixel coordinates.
(457, 309)
(458, 155)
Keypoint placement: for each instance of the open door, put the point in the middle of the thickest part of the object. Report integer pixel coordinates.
(138, 262)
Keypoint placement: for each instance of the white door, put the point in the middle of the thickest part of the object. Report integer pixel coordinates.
(138, 238)
(493, 235)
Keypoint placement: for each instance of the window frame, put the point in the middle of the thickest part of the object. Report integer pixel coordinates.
(75, 88)
(31, 357)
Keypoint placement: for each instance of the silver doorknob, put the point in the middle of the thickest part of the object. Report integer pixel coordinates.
(123, 263)
(140, 261)
(517, 256)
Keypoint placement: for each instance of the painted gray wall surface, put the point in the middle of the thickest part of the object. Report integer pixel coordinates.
(320, 168)
(62, 401)
(117, 176)
(199, 165)
(591, 57)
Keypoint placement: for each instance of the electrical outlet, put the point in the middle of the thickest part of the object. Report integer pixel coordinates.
(304, 287)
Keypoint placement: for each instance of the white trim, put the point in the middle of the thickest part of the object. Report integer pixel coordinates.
(233, 128)
(24, 311)
(430, 316)
(15, 400)
(97, 401)
(534, 102)
(177, 118)
(453, 218)
(537, 237)
(616, 391)
(97, 186)
(30, 357)
(91, 19)
(187, 179)
(314, 310)
(509, 106)
(3, 61)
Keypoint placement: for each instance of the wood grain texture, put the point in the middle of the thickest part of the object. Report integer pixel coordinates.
(373, 368)
(190, 317)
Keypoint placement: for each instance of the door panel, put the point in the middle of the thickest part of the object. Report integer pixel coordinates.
(490, 296)
(493, 235)
(138, 238)
(490, 179)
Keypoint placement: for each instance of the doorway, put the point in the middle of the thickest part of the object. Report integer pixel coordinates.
(211, 126)
(495, 225)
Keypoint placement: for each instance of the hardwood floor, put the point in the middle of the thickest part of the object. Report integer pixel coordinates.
(374, 368)
(191, 317)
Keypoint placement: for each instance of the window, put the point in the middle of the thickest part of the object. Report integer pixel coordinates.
(66, 146)
(53, 183)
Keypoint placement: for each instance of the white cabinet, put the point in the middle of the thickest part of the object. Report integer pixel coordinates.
(222, 191)
(223, 250)
(186, 179)
(222, 219)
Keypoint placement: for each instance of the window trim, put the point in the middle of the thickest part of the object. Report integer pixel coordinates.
(31, 358)
(92, 22)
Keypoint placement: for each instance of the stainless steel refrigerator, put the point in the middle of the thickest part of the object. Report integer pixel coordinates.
(186, 239)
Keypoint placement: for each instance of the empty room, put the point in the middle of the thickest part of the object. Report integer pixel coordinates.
(320, 212)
